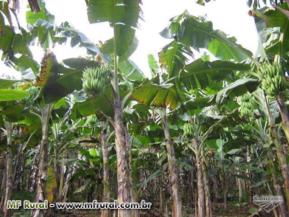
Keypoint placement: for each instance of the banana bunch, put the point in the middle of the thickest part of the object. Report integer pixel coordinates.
(272, 79)
(95, 80)
(246, 105)
(188, 129)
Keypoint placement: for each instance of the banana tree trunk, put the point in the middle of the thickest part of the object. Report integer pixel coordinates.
(68, 175)
(3, 183)
(105, 182)
(240, 190)
(161, 198)
(163, 207)
(249, 175)
(123, 173)
(207, 191)
(33, 171)
(201, 208)
(9, 172)
(61, 176)
(190, 182)
(122, 147)
(134, 194)
(284, 171)
(173, 171)
(19, 170)
(43, 161)
(279, 149)
(277, 187)
(216, 190)
(57, 169)
(284, 115)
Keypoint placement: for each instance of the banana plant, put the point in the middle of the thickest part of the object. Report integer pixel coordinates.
(48, 79)
(123, 17)
(52, 81)
(272, 74)
(9, 97)
(95, 82)
(274, 70)
(163, 96)
(275, 136)
(198, 33)
(179, 77)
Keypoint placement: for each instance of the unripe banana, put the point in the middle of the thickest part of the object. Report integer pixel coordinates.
(247, 105)
(96, 79)
(272, 79)
(188, 129)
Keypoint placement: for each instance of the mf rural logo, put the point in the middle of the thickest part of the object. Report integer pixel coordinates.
(268, 202)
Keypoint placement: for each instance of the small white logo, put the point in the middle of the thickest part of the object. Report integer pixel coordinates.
(267, 202)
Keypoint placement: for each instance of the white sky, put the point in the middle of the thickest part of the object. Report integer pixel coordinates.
(230, 16)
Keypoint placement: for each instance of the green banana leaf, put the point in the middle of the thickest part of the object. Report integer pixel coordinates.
(199, 33)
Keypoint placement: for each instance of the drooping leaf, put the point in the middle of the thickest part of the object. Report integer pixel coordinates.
(125, 12)
(65, 30)
(6, 39)
(201, 73)
(125, 41)
(26, 62)
(81, 189)
(60, 104)
(156, 95)
(13, 44)
(271, 18)
(174, 57)
(80, 63)
(151, 177)
(199, 33)
(12, 94)
(96, 105)
(123, 16)
(4, 84)
(31, 121)
(154, 67)
(41, 13)
(20, 44)
(130, 71)
(48, 34)
(196, 105)
(237, 88)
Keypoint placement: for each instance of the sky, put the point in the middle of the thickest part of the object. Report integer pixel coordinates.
(230, 16)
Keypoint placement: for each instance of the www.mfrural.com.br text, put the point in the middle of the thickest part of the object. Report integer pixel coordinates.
(26, 204)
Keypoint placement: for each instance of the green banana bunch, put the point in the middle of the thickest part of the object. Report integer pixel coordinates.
(95, 80)
(188, 129)
(247, 105)
(272, 79)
